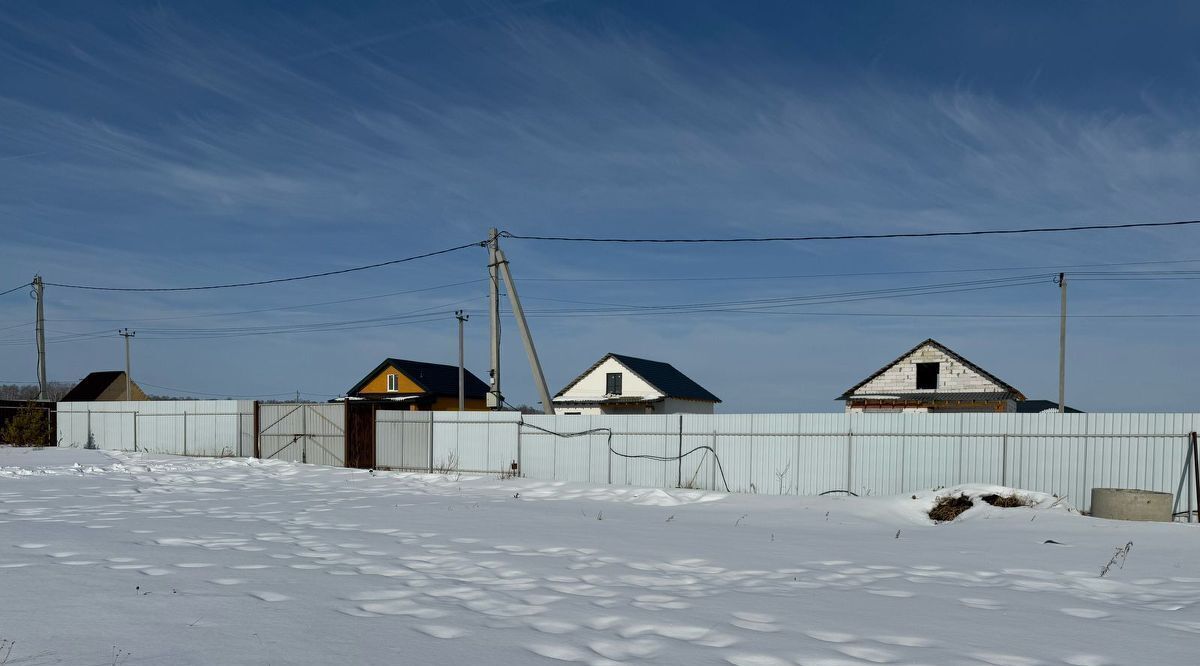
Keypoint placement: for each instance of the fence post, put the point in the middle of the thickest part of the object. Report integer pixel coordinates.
(1187, 476)
(257, 449)
(135, 432)
(679, 460)
(1195, 472)
(88, 439)
(185, 433)
(1004, 459)
(520, 467)
(712, 468)
(849, 459)
(608, 453)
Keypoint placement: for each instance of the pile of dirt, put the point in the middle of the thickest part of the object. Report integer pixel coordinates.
(1005, 501)
(949, 507)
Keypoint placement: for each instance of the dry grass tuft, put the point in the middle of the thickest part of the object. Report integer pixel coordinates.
(949, 507)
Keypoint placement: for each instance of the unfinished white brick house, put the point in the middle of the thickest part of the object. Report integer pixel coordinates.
(931, 378)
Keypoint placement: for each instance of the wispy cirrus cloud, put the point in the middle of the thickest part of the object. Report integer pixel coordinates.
(252, 148)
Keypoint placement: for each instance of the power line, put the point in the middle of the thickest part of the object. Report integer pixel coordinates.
(830, 298)
(728, 278)
(231, 395)
(263, 282)
(915, 234)
(341, 301)
(16, 288)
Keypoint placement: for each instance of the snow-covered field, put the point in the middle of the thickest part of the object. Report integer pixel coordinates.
(195, 561)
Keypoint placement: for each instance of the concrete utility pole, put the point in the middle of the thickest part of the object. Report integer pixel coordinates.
(1062, 345)
(462, 393)
(38, 291)
(535, 365)
(127, 334)
(495, 397)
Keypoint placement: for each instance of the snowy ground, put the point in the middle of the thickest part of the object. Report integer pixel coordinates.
(193, 561)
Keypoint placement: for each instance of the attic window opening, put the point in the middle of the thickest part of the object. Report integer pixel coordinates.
(612, 384)
(927, 375)
(393, 383)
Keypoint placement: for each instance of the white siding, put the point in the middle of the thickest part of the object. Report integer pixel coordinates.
(676, 406)
(593, 385)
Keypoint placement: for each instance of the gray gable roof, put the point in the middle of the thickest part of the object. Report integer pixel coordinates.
(662, 376)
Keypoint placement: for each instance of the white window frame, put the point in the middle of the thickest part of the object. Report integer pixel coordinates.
(393, 383)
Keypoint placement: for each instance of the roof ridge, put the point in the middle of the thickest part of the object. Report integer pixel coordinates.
(946, 350)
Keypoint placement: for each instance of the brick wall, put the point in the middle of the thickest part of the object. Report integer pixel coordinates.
(952, 375)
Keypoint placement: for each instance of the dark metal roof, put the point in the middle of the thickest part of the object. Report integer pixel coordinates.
(90, 387)
(662, 376)
(936, 396)
(433, 378)
(1038, 406)
(948, 352)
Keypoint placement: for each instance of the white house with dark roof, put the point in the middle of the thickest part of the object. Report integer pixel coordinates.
(619, 384)
(932, 378)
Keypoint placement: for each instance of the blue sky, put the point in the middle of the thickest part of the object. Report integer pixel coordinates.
(172, 144)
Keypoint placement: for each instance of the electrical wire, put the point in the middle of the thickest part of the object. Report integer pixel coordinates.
(284, 307)
(899, 315)
(16, 288)
(729, 278)
(915, 234)
(816, 299)
(263, 282)
(640, 456)
(231, 395)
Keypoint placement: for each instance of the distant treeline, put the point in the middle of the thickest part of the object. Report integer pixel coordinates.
(30, 391)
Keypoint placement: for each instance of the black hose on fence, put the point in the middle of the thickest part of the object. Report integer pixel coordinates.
(644, 456)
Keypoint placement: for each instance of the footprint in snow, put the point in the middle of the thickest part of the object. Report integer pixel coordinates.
(440, 631)
(270, 596)
(1085, 613)
(1087, 660)
(754, 622)
(865, 653)
(831, 636)
(982, 604)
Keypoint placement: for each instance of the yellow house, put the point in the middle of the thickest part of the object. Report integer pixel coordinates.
(422, 386)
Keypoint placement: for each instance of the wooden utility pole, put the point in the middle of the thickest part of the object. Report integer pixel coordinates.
(1062, 345)
(127, 334)
(38, 291)
(462, 393)
(495, 397)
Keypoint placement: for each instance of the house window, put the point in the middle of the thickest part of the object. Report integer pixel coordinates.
(927, 375)
(393, 383)
(612, 385)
